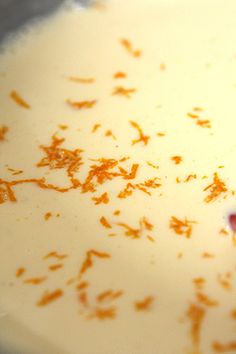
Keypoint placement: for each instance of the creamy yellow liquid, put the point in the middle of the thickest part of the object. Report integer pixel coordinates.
(187, 59)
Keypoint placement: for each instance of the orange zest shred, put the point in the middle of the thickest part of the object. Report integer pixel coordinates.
(103, 313)
(83, 285)
(150, 238)
(15, 96)
(223, 348)
(146, 224)
(109, 295)
(190, 177)
(20, 271)
(96, 127)
(128, 46)
(196, 315)
(199, 283)
(216, 188)
(130, 232)
(145, 304)
(223, 232)
(109, 133)
(49, 297)
(15, 172)
(161, 134)
(119, 75)
(207, 255)
(83, 298)
(81, 104)
(35, 281)
(182, 227)
(55, 267)
(206, 300)
(103, 199)
(82, 80)
(225, 280)
(63, 126)
(152, 165)
(116, 212)
(3, 130)
(56, 255)
(47, 216)
(88, 262)
(204, 123)
(105, 223)
(177, 159)
(122, 91)
(142, 138)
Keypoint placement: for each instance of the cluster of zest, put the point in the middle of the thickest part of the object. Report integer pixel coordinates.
(204, 123)
(216, 188)
(182, 227)
(145, 226)
(57, 157)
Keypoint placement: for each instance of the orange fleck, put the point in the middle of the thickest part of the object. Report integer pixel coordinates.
(103, 314)
(49, 297)
(116, 212)
(190, 177)
(130, 232)
(109, 133)
(162, 66)
(20, 271)
(105, 223)
(142, 138)
(145, 304)
(35, 281)
(177, 159)
(192, 115)
(56, 255)
(225, 280)
(206, 300)
(6, 192)
(55, 267)
(109, 295)
(161, 134)
(96, 127)
(127, 191)
(47, 216)
(146, 224)
(216, 188)
(152, 165)
(204, 123)
(122, 91)
(15, 172)
(119, 75)
(223, 348)
(207, 255)
(3, 131)
(81, 104)
(224, 231)
(81, 80)
(197, 109)
(150, 238)
(199, 283)
(103, 199)
(181, 227)
(196, 314)
(19, 100)
(128, 46)
(88, 262)
(63, 126)
(83, 299)
(83, 285)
